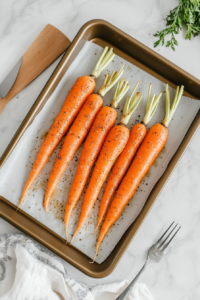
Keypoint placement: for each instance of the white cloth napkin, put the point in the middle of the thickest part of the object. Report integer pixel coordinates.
(40, 275)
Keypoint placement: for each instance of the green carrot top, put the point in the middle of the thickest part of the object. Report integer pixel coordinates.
(151, 106)
(105, 58)
(171, 110)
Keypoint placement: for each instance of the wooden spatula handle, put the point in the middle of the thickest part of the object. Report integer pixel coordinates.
(49, 44)
(3, 102)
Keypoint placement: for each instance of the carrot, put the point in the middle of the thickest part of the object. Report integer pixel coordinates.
(73, 140)
(113, 146)
(100, 128)
(137, 135)
(145, 157)
(76, 135)
(82, 88)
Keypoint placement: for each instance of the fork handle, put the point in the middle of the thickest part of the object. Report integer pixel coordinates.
(123, 295)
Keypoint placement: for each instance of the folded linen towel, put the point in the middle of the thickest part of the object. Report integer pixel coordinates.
(40, 275)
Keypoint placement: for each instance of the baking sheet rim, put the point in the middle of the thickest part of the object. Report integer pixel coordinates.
(41, 100)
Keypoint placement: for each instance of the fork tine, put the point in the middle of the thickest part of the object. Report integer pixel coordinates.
(164, 234)
(167, 236)
(165, 246)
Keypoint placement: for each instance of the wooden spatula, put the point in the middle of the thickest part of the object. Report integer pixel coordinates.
(49, 44)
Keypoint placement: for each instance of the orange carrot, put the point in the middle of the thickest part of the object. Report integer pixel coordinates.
(100, 128)
(82, 88)
(113, 146)
(149, 150)
(137, 135)
(73, 140)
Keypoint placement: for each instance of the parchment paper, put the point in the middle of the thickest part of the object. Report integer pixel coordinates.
(15, 171)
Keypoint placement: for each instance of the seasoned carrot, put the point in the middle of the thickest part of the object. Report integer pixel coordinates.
(112, 147)
(137, 135)
(82, 88)
(145, 157)
(100, 128)
(73, 140)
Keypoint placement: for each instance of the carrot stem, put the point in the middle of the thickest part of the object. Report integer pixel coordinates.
(151, 106)
(121, 90)
(171, 110)
(105, 58)
(130, 105)
(110, 81)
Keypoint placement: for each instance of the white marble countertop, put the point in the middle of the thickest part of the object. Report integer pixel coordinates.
(177, 276)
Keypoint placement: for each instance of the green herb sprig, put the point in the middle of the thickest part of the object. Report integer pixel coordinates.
(186, 13)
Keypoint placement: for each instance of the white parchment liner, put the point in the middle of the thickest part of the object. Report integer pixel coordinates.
(15, 171)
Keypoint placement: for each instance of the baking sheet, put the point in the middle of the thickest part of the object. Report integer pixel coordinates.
(15, 171)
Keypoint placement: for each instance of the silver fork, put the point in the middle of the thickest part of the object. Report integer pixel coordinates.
(155, 253)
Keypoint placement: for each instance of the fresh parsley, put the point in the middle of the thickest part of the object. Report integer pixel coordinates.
(186, 13)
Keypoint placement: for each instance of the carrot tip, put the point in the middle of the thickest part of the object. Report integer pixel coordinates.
(96, 228)
(66, 233)
(72, 238)
(91, 262)
(19, 204)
